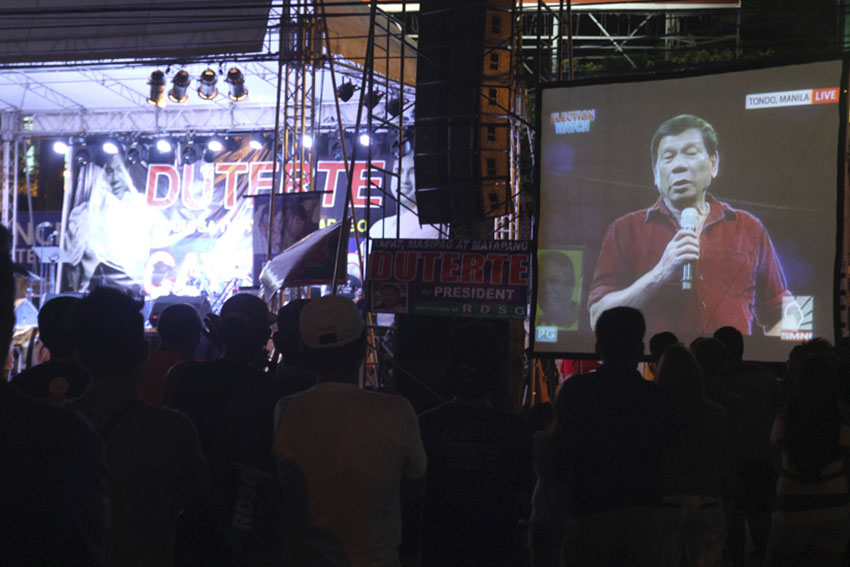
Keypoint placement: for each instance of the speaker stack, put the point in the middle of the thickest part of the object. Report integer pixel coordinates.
(463, 98)
(201, 305)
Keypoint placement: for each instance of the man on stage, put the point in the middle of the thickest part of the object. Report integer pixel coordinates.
(710, 267)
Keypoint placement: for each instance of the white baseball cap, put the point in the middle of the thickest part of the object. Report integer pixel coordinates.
(329, 322)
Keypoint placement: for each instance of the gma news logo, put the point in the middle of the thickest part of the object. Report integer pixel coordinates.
(546, 334)
(797, 318)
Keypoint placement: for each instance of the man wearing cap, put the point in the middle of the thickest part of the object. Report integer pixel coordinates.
(358, 451)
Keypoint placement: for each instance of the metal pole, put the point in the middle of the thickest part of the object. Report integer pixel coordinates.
(276, 139)
(14, 226)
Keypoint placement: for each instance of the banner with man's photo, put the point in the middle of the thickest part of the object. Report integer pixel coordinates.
(449, 278)
(199, 228)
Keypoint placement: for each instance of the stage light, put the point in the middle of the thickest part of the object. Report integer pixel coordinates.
(257, 142)
(60, 147)
(364, 139)
(82, 158)
(163, 145)
(373, 99)
(345, 91)
(157, 94)
(180, 87)
(395, 106)
(215, 144)
(110, 147)
(190, 154)
(307, 141)
(135, 153)
(237, 85)
(208, 90)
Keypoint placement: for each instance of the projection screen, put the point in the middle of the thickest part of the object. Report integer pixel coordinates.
(748, 158)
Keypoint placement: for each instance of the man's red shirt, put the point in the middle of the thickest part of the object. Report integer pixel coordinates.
(737, 277)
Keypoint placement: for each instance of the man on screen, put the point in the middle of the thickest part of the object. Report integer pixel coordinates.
(722, 270)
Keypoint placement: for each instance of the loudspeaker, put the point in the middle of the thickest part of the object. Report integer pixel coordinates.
(463, 103)
(201, 305)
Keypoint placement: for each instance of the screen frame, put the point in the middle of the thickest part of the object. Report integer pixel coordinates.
(842, 164)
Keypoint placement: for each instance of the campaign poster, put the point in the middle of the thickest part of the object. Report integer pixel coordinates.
(450, 278)
(296, 215)
(157, 226)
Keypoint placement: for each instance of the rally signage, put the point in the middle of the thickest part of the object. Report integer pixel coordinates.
(202, 227)
(450, 278)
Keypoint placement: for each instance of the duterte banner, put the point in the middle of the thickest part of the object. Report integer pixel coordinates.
(187, 227)
(450, 278)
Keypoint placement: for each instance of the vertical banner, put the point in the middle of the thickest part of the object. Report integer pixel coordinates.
(295, 216)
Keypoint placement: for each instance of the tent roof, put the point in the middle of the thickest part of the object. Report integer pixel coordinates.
(87, 68)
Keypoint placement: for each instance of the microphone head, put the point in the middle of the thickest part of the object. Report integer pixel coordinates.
(688, 220)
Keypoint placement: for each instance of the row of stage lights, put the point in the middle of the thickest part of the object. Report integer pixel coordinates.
(164, 148)
(207, 90)
(157, 150)
(394, 107)
(235, 80)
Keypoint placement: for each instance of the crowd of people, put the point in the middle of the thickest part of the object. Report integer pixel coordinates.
(115, 456)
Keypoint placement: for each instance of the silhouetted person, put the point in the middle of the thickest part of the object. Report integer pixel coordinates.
(359, 451)
(252, 415)
(550, 500)
(154, 459)
(620, 432)
(479, 463)
(60, 378)
(294, 372)
(205, 392)
(811, 525)
(54, 508)
(696, 525)
(659, 343)
(712, 356)
(759, 392)
(179, 328)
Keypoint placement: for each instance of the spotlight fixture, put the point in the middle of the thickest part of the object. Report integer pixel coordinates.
(345, 91)
(190, 154)
(215, 144)
(236, 81)
(307, 141)
(364, 139)
(374, 98)
(82, 157)
(157, 84)
(110, 147)
(395, 105)
(60, 147)
(163, 145)
(208, 90)
(257, 142)
(135, 153)
(180, 87)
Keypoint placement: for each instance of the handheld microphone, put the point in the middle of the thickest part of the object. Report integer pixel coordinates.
(688, 221)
